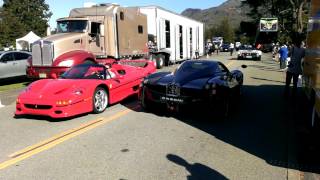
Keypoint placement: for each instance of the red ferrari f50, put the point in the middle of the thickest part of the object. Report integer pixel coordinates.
(83, 88)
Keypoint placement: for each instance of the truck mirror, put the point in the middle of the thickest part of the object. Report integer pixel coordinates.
(102, 29)
(92, 35)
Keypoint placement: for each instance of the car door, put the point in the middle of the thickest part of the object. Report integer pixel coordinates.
(6, 65)
(20, 65)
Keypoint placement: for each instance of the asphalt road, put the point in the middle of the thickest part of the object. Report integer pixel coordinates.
(125, 142)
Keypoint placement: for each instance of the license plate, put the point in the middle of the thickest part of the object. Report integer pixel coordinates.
(172, 99)
(249, 56)
(42, 75)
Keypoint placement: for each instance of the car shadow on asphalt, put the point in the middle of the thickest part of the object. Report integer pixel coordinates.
(261, 123)
(196, 170)
(274, 68)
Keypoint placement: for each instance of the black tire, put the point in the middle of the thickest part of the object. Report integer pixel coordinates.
(153, 58)
(145, 103)
(238, 58)
(100, 100)
(259, 58)
(160, 60)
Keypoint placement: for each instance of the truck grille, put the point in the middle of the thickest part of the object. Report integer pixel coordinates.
(42, 53)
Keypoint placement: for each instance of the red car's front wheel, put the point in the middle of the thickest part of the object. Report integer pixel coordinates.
(100, 100)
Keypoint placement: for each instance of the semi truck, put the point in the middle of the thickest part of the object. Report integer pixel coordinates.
(109, 32)
(311, 65)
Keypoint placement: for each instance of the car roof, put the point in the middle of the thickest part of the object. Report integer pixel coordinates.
(202, 61)
(27, 52)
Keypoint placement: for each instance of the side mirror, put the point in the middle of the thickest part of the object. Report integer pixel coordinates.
(244, 66)
(92, 35)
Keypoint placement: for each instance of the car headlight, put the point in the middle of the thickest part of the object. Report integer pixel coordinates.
(66, 63)
(61, 103)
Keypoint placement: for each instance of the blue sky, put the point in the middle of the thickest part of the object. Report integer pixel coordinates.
(61, 8)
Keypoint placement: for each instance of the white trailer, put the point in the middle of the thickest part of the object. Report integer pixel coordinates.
(175, 37)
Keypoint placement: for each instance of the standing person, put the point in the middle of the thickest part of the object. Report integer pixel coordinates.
(231, 48)
(283, 52)
(294, 67)
(217, 48)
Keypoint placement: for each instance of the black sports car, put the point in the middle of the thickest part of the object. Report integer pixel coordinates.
(196, 82)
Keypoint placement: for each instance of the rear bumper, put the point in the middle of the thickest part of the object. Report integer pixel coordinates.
(37, 72)
(161, 98)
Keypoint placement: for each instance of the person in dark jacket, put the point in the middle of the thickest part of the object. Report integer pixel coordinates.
(294, 67)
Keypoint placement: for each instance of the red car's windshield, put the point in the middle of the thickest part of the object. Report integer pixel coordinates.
(85, 72)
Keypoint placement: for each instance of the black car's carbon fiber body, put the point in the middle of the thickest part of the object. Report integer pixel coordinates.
(194, 83)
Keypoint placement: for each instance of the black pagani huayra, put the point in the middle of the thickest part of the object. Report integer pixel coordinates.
(195, 83)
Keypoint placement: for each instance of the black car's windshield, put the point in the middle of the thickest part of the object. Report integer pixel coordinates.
(71, 26)
(196, 69)
(247, 47)
(85, 72)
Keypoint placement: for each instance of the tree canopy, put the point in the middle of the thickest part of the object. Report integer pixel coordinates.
(292, 15)
(224, 29)
(18, 17)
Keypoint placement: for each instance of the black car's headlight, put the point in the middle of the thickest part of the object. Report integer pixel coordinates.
(210, 86)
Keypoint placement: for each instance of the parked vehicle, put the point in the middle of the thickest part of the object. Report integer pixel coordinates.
(194, 83)
(13, 63)
(225, 47)
(249, 52)
(83, 88)
(238, 44)
(94, 34)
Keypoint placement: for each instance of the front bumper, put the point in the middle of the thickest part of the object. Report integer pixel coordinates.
(38, 72)
(249, 56)
(38, 107)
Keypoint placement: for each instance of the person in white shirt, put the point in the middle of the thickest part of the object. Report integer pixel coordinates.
(231, 48)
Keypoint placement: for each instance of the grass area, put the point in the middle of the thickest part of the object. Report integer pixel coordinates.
(13, 86)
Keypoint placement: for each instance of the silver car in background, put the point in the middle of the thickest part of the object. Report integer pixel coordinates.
(13, 63)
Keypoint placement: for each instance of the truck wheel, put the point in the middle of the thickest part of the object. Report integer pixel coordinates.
(153, 58)
(100, 100)
(160, 61)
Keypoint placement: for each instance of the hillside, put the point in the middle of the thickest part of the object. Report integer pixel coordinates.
(214, 15)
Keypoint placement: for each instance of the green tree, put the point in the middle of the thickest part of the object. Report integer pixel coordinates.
(18, 17)
(224, 29)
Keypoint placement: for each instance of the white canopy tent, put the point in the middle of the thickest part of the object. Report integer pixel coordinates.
(25, 42)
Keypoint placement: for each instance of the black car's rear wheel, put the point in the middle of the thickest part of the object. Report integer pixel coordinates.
(100, 100)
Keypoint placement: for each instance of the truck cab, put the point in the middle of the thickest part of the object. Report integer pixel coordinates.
(89, 35)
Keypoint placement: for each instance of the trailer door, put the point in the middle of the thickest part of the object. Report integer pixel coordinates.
(162, 34)
(177, 43)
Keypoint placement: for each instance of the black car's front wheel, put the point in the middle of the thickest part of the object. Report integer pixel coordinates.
(100, 100)
(145, 103)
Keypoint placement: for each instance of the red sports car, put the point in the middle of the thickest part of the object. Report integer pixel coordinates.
(84, 88)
